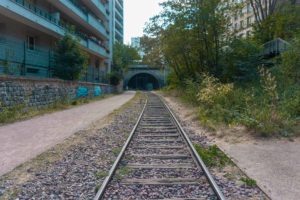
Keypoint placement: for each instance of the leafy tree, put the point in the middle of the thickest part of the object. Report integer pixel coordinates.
(153, 54)
(123, 56)
(279, 24)
(70, 59)
(240, 60)
(262, 9)
(189, 36)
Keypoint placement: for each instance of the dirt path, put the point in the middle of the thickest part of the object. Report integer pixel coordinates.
(24, 140)
(273, 163)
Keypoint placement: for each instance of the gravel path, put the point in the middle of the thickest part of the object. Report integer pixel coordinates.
(82, 168)
(24, 140)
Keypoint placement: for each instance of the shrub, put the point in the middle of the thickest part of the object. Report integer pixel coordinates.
(70, 60)
(212, 92)
(115, 78)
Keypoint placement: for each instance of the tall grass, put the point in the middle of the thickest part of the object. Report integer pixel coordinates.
(261, 106)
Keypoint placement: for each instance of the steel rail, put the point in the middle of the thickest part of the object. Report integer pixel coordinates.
(106, 181)
(198, 159)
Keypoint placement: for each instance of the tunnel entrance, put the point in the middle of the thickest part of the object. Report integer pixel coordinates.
(143, 81)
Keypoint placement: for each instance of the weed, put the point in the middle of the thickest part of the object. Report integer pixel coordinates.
(97, 188)
(116, 151)
(248, 181)
(101, 174)
(212, 156)
(122, 171)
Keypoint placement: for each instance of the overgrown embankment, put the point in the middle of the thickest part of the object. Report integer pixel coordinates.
(269, 105)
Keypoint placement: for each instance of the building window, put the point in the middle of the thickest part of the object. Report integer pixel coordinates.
(30, 43)
(235, 26)
(249, 8)
(249, 21)
(242, 24)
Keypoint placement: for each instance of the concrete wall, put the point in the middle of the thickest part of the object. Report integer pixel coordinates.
(43, 92)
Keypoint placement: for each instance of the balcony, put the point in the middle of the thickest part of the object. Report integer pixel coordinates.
(42, 20)
(86, 19)
(97, 48)
(98, 8)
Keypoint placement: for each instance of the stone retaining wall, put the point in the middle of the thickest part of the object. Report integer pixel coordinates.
(34, 92)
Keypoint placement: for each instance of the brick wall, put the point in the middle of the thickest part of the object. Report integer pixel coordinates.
(33, 92)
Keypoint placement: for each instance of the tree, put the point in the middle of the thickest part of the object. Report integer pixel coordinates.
(188, 36)
(262, 9)
(70, 59)
(153, 54)
(123, 56)
(279, 24)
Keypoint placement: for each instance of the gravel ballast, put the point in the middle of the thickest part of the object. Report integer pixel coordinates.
(81, 168)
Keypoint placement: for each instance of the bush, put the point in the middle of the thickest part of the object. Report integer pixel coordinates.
(70, 60)
(115, 78)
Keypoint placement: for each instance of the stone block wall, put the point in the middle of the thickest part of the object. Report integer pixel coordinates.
(33, 92)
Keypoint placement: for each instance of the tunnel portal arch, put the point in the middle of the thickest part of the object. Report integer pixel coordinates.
(143, 81)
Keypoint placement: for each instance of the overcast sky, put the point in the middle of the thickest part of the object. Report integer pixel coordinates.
(136, 14)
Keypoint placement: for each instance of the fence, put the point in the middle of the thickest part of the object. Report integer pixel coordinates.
(17, 59)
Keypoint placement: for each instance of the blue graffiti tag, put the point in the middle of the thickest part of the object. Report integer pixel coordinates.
(97, 91)
(82, 91)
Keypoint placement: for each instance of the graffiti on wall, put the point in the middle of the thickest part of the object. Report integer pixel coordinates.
(97, 91)
(82, 91)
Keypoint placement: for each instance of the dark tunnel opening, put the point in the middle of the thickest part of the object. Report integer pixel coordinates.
(143, 81)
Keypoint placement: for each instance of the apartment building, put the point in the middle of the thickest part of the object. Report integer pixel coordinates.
(29, 30)
(117, 20)
(242, 22)
(136, 43)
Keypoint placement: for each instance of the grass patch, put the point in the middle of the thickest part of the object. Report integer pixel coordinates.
(20, 112)
(116, 150)
(101, 174)
(122, 171)
(213, 156)
(97, 188)
(249, 182)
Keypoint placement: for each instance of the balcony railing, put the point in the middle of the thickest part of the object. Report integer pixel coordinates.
(100, 6)
(86, 16)
(38, 11)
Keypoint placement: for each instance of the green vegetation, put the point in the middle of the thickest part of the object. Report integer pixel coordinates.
(249, 182)
(123, 56)
(122, 171)
(19, 112)
(70, 60)
(212, 156)
(101, 174)
(116, 150)
(224, 75)
(97, 188)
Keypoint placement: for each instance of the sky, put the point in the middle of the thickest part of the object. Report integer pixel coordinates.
(136, 14)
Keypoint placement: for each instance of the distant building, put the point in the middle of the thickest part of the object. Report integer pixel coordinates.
(136, 43)
(242, 22)
(30, 29)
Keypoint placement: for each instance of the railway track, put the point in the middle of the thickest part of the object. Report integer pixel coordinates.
(158, 161)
